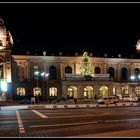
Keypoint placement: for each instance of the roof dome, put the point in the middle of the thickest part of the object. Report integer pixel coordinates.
(5, 36)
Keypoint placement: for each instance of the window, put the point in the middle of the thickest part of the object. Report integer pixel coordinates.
(111, 72)
(70, 93)
(1, 71)
(137, 73)
(137, 91)
(21, 91)
(97, 70)
(20, 73)
(1, 44)
(52, 73)
(37, 91)
(124, 74)
(125, 90)
(68, 69)
(35, 69)
(53, 91)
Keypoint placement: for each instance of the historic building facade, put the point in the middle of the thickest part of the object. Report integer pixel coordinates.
(112, 76)
(52, 77)
(6, 42)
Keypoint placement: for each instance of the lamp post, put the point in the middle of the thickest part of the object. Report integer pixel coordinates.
(37, 73)
(133, 78)
(43, 76)
(47, 76)
(37, 88)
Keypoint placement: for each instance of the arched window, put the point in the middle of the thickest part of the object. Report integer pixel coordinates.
(53, 91)
(68, 69)
(37, 91)
(35, 69)
(111, 72)
(52, 73)
(137, 73)
(21, 91)
(20, 73)
(1, 72)
(97, 70)
(1, 44)
(124, 74)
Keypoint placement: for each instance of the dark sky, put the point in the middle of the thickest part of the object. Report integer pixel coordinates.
(98, 28)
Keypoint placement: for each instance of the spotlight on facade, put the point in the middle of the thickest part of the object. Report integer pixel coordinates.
(3, 86)
(42, 74)
(37, 72)
(132, 77)
(47, 74)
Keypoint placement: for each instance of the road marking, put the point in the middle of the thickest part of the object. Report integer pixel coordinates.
(122, 120)
(40, 114)
(106, 113)
(20, 125)
(65, 124)
(75, 116)
(82, 123)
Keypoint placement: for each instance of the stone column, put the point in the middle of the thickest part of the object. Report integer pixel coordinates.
(96, 90)
(81, 91)
(64, 89)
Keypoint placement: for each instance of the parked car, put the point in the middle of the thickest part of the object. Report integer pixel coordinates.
(108, 100)
(131, 97)
(134, 99)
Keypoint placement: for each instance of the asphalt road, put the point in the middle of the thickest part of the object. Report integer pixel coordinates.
(68, 122)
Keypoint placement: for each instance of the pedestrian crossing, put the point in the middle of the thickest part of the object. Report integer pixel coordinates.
(40, 114)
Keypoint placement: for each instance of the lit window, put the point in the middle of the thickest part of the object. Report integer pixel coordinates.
(53, 91)
(21, 91)
(37, 91)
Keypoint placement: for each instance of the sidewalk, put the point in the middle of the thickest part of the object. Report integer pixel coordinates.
(64, 105)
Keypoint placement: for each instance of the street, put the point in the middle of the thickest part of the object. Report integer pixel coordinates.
(67, 122)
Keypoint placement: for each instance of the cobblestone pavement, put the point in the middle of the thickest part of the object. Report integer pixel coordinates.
(133, 126)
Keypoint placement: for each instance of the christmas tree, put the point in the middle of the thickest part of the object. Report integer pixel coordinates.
(86, 68)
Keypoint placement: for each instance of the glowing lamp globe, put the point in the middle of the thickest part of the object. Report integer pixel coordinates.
(138, 46)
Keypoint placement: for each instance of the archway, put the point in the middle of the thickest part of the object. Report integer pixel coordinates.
(72, 92)
(88, 92)
(103, 91)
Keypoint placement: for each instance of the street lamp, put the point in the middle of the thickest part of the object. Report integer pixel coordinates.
(36, 90)
(37, 93)
(37, 74)
(43, 74)
(134, 93)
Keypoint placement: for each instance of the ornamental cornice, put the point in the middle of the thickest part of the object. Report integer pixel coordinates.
(125, 64)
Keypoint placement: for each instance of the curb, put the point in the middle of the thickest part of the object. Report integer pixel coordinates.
(67, 106)
(79, 106)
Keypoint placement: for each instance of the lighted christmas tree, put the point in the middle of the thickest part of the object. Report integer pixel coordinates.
(86, 68)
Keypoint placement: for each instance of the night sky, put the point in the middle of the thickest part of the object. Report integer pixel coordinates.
(98, 28)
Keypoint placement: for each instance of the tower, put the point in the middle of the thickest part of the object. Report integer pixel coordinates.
(6, 42)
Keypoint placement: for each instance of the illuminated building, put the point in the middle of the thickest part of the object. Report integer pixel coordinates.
(6, 42)
(112, 76)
